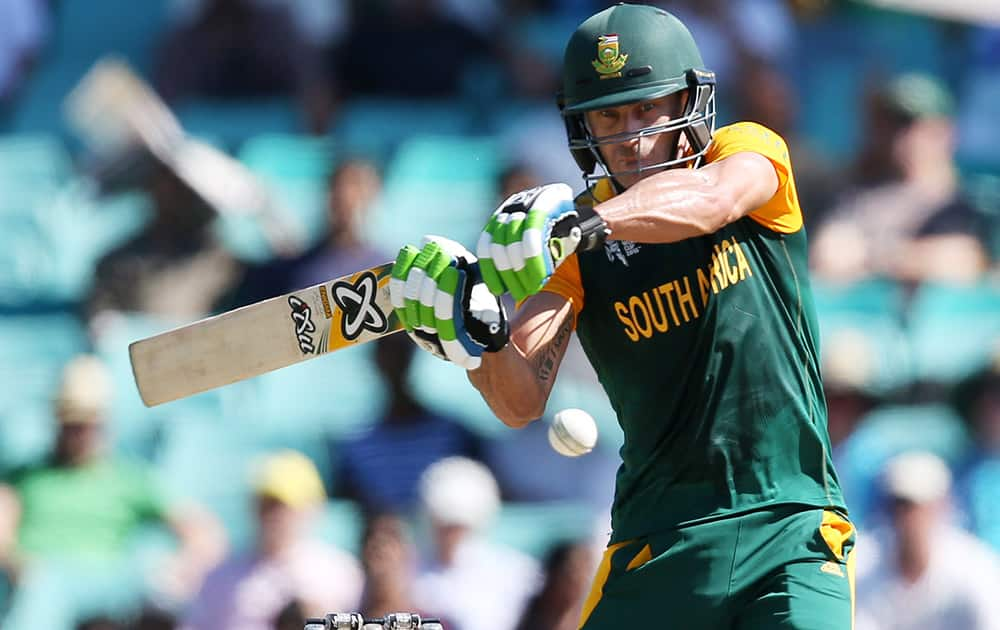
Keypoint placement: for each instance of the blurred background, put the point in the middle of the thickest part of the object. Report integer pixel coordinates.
(311, 138)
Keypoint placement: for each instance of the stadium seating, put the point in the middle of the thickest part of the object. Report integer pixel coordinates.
(84, 31)
(207, 461)
(888, 431)
(33, 161)
(979, 491)
(134, 429)
(296, 169)
(870, 311)
(436, 185)
(33, 349)
(954, 330)
(535, 528)
(341, 523)
(231, 123)
(373, 128)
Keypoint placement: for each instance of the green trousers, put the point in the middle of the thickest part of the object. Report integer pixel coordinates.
(787, 567)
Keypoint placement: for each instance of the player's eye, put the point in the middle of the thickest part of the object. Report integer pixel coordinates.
(648, 107)
(607, 113)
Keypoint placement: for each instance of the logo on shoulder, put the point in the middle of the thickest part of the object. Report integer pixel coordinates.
(610, 59)
(832, 568)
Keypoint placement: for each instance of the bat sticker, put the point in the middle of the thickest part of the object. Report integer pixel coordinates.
(304, 327)
(360, 312)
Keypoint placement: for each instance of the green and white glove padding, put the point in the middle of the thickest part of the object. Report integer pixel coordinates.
(530, 234)
(446, 308)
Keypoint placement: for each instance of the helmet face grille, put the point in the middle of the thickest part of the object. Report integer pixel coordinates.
(697, 124)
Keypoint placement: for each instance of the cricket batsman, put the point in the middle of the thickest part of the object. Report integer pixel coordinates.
(682, 269)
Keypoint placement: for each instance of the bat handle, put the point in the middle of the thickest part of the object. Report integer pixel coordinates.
(565, 238)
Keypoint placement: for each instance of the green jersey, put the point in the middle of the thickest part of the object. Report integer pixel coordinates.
(708, 351)
(86, 511)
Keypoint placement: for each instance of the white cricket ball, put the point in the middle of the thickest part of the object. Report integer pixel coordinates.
(573, 432)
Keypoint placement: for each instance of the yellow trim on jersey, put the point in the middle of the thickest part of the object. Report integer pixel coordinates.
(836, 530)
(568, 283)
(603, 190)
(600, 579)
(782, 212)
(641, 558)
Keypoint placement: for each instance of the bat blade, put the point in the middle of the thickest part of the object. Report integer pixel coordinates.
(265, 336)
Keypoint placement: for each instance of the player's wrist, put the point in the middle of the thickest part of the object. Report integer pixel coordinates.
(583, 231)
(594, 230)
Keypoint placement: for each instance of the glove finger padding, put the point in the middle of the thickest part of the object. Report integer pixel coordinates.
(513, 248)
(444, 304)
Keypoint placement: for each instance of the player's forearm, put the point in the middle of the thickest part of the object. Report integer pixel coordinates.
(516, 382)
(668, 207)
(678, 204)
(509, 385)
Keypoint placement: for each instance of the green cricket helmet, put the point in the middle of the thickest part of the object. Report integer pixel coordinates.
(626, 54)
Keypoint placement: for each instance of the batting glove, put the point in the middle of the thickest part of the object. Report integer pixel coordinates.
(446, 308)
(530, 234)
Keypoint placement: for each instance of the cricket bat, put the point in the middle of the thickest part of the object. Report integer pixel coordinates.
(265, 336)
(112, 108)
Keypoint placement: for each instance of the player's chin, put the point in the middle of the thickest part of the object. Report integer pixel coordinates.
(628, 178)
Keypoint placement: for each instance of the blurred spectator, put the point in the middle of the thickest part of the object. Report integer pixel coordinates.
(291, 617)
(75, 516)
(924, 573)
(251, 589)
(175, 268)
(353, 187)
(730, 31)
(908, 220)
(148, 619)
(22, 31)
(765, 96)
(241, 49)
(585, 481)
(478, 584)
(388, 558)
(481, 16)
(321, 23)
(979, 482)
(427, 50)
(380, 467)
(569, 568)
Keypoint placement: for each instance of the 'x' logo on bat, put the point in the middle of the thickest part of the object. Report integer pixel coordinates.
(357, 302)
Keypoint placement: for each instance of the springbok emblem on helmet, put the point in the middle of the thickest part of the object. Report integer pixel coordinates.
(610, 59)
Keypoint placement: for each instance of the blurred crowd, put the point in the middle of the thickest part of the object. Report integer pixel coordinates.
(372, 480)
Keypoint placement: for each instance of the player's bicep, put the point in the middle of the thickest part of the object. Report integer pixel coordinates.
(749, 180)
(541, 330)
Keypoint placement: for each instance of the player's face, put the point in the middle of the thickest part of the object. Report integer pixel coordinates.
(634, 153)
(78, 442)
